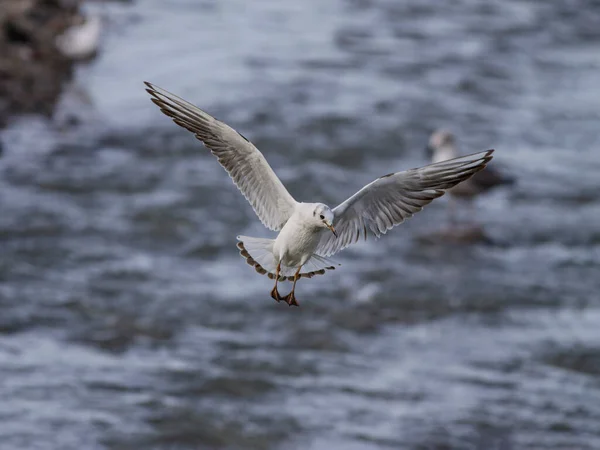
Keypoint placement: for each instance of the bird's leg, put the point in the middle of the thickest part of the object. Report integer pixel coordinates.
(275, 292)
(291, 297)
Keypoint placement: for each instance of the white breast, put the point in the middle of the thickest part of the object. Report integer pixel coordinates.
(296, 242)
(444, 153)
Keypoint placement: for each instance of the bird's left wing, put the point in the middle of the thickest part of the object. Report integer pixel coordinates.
(392, 198)
(245, 164)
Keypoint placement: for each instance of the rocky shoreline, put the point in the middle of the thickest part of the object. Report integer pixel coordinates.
(33, 68)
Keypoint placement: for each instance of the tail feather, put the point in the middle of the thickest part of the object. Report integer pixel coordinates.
(258, 252)
(262, 253)
(318, 265)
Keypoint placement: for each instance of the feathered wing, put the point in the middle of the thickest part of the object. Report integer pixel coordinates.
(244, 163)
(392, 198)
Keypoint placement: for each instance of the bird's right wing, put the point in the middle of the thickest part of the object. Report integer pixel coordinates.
(245, 164)
(392, 198)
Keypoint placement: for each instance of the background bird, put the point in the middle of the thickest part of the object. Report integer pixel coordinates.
(441, 147)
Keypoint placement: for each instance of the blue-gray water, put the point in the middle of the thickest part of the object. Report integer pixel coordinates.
(129, 321)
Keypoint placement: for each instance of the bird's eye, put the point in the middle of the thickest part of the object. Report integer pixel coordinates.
(322, 217)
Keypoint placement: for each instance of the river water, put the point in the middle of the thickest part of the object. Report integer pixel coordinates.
(129, 321)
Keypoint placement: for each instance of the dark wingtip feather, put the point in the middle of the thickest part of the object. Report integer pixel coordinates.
(151, 89)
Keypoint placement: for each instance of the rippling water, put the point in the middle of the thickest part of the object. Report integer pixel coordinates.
(130, 322)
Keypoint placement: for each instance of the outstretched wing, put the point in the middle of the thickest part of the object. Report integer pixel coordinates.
(244, 163)
(387, 201)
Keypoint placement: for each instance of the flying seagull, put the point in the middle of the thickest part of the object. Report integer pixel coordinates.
(309, 233)
(442, 147)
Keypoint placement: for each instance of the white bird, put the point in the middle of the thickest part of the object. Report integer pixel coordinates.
(442, 147)
(81, 41)
(311, 232)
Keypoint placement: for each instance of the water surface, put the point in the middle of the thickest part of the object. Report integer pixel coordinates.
(130, 322)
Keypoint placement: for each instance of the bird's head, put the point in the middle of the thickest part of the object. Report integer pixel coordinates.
(441, 146)
(322, 217)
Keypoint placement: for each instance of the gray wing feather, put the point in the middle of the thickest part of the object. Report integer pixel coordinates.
(245, 164)
(389, 200)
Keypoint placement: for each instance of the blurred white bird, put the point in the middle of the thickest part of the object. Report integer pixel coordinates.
(311, 232)
(81, 41)
(442, 147)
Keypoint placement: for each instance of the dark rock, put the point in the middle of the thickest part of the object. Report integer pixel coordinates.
(32, 69)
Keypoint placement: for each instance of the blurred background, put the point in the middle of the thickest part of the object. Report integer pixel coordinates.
(129, 321)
